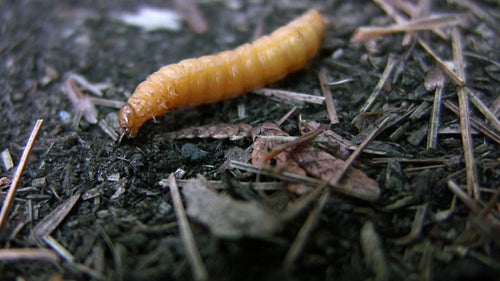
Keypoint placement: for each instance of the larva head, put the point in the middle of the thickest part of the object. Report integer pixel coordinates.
(127, 120)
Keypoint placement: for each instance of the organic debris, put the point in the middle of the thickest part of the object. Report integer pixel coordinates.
(218, 131)
(226, 217)
(152, 19)
(379, 160)
(300, 159)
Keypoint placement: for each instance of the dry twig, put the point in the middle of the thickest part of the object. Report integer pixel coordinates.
(416, 228)
(330, 105)
(31, 254)
(439, 79)
(479, 12)
(463, 102)
(286, 116)
(485, 110)
(457, 79)
(473, 205)
(192, 253)
(478, 125)
(19, 171)
(299, 242)
(304, 233)
(282, 147)
(391, 62)
(365, 32)
(292, 97)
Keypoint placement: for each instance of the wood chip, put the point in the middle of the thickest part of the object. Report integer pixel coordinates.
(7, 160)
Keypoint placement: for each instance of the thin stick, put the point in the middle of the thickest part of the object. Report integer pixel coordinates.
(475, 207)
(58, 248)
(391, 62)
(361, 147)
(286, 116)
(117, 257)
(491, 204)
(296, 208)
(304, 233)
(106, 102)
(456, 78)
(484, 109)
(330, 105)
(416, 228)
(293, 97)
(455, 188)
(364, 33)
(192, 253)
(435, 118)
(398, 17)
(391, 11)
(302, 139)
(478, 11)
(435, 80)
(31, 254)
(19, 171)
(463, 102)
(475, 123)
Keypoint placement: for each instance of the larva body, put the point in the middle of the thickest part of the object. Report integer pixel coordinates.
(213, 78)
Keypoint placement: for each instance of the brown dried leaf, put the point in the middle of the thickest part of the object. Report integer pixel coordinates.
(283, 161)
(326, 167)
(219, 131)
(306, 159)
(226, 217)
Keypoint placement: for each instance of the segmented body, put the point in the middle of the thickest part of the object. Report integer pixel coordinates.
(213, 78)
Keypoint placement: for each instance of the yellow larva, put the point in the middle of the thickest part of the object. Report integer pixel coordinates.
(210, 79)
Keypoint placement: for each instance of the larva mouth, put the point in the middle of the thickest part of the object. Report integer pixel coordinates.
(127, 120)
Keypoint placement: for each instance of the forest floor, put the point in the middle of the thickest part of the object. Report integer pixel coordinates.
(409, 109)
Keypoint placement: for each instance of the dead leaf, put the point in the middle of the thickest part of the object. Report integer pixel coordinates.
(322, 165)
(226, 217)
(282, 161)
(306, 159)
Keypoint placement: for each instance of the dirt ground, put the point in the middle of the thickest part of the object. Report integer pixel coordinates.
(95, 204)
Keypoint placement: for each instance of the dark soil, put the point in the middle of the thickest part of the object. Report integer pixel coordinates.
(123, 226)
